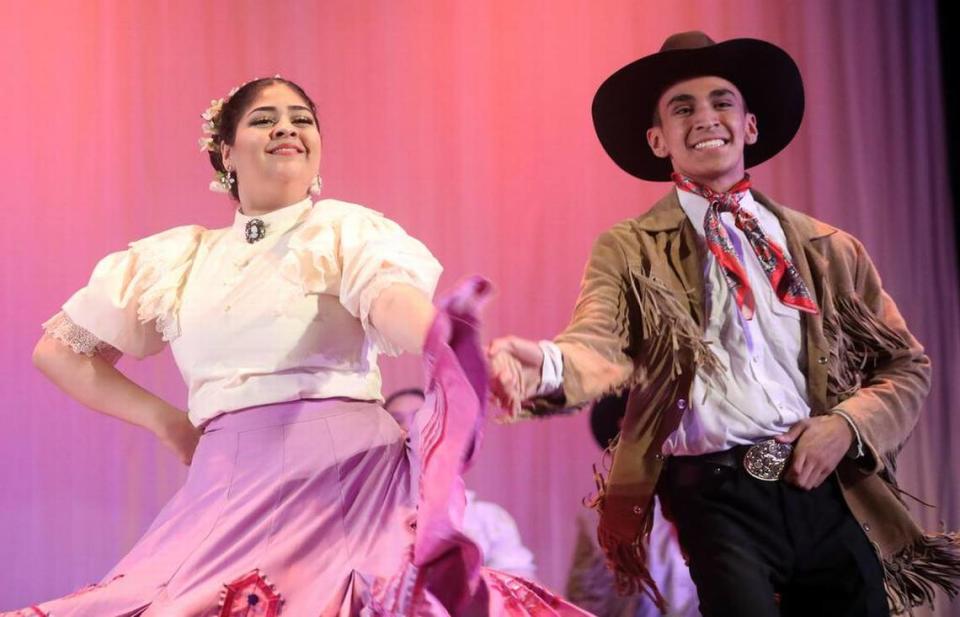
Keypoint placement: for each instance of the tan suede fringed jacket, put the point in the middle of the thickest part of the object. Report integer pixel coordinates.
(638, 323)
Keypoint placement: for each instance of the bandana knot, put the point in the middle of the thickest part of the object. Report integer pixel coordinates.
(782, 274)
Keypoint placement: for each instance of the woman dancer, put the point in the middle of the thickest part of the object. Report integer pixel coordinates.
(303, 497)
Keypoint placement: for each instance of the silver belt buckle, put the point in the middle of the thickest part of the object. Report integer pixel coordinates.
(766, 460)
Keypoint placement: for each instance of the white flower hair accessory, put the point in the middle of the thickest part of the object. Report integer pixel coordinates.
(211, 121)
(223, 181)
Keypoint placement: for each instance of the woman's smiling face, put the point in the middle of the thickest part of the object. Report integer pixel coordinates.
(277, 143)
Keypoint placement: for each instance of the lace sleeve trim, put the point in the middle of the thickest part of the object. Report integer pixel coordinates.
(62, 328)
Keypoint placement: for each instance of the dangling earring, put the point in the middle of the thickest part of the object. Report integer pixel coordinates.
(316, 187)
(224, 182)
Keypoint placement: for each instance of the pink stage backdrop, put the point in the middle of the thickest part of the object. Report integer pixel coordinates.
(469, 123)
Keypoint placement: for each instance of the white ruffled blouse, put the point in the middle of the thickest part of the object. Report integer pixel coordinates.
(281, 319)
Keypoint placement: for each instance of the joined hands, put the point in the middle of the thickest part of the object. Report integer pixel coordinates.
(515, 366)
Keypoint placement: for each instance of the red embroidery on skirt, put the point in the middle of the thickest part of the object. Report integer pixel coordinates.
(34, 611)
(91, 587)
(251, 595)
(30, 611)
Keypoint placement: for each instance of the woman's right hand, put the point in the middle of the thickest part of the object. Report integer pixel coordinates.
(98, 384)
(515, 366)
(177, 433)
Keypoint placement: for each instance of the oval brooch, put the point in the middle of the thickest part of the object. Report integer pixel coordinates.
(255, 230)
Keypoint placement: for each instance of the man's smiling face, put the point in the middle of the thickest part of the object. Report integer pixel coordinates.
(703, 126)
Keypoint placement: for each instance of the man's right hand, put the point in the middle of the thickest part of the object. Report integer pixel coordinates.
(515, 367)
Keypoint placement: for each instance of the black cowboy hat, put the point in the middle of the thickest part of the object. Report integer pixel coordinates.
(766, 76)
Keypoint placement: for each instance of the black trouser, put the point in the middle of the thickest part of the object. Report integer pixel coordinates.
(760, 549)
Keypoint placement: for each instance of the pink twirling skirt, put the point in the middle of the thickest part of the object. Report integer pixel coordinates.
(325, 507)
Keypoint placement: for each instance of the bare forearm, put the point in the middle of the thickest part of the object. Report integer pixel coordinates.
(98, 385)
(403, 315)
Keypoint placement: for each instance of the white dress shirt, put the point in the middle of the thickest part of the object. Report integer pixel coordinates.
(280, 319)
(761, 391)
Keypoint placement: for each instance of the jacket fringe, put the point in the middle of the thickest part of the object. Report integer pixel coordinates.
(628, 562)
(861, 341)
(669, 332)
(626, 559)
(666, 321)
(911, 575)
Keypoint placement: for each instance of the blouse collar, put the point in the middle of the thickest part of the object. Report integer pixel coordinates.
(276, 222)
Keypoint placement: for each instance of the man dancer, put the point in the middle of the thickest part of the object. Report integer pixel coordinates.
(772, 379)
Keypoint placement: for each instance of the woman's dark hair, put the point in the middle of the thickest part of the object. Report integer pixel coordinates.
(393, 398)
(232, 111)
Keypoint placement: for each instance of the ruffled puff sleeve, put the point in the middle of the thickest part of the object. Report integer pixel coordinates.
(131, 302)
(356, 253)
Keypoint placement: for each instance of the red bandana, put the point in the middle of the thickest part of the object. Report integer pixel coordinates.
(780, 271)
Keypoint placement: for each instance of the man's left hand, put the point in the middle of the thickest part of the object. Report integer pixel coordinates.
(819, 444)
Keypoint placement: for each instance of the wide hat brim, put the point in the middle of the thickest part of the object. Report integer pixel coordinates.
(766, 76)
